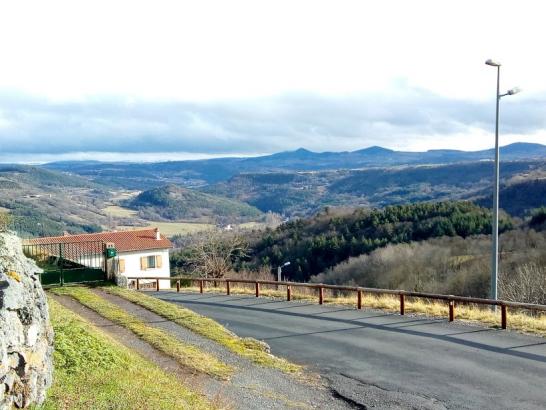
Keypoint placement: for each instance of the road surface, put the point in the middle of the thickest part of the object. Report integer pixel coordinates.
(384, 360)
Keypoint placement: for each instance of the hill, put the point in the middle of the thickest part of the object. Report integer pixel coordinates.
(172, 202)
(315, 244)
(47, 202)
(304, 193)
(520, 198)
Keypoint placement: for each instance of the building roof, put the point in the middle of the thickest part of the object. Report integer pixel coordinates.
(124, 241)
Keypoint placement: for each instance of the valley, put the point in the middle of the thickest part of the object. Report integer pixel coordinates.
(186, 197)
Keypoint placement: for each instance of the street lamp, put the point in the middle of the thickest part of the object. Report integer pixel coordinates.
(495, 233)
(279, 270)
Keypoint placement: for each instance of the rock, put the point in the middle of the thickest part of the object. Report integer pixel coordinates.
(26, 335)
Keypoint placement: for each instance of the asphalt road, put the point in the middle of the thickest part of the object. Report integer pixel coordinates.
(384, 360)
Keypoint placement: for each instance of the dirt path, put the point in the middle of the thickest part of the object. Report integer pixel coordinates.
(251, 387)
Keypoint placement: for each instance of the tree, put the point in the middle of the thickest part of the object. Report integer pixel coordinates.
(215, 254)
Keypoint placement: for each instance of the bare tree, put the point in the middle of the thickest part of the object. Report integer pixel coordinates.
(213, 255)
(526, 284)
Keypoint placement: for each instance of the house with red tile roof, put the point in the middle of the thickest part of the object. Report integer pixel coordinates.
(140, 253)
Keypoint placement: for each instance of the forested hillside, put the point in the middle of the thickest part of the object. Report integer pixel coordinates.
(453, 266)
(45, 202)
(316, 244)
(520, 198)
(305, 193)
(176, 203)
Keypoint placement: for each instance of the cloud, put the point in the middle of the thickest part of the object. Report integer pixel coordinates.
(408, 118)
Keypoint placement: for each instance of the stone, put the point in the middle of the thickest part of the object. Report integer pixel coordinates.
(26, 335)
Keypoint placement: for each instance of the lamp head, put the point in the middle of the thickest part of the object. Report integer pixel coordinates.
(513, 91)
(286, 264)
(493, 63)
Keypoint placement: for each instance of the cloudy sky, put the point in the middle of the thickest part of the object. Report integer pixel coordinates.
(153, 80)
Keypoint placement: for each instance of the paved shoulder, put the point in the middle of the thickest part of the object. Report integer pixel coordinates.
(377, 358)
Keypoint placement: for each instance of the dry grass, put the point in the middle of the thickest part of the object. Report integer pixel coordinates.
(187, 355)
(94, 371)
(252, 225)
(522, 321)
(245, 347)
(118, 211)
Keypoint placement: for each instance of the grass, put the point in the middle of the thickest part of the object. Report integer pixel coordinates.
(93, 371)
(187, 355)
(517, 320)
(174, 228)
(245, 347)
(118, 211)
(252, 225)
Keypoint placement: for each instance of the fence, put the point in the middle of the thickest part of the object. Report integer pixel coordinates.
(67, 262)
(319, 287)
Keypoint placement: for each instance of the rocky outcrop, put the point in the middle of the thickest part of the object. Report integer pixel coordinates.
(26, 336)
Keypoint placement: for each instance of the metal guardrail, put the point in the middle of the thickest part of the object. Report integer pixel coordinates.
(402, 294)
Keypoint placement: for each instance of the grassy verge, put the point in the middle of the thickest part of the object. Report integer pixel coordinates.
(93, 371)
(186, 354)
(517, 320)
(246, 347)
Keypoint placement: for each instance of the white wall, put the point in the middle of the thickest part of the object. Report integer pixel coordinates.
(132, 266)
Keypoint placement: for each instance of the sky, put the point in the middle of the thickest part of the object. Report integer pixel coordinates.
(153, 80)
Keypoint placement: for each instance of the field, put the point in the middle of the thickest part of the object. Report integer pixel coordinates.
(118, 211)
(252, 225)
(173, 228)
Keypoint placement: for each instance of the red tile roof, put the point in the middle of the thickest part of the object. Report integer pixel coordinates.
(124, 241)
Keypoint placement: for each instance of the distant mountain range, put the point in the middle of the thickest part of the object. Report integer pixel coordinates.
(194, 173)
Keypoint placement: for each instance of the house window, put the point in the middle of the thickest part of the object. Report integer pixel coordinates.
(151, 262)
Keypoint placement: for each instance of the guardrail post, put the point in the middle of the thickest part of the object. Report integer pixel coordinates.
(157, 285)
(288, 293)
(228, 290)
(503, 316)
(137, 284)
(178, 286)
(359, 299)
(200, 286)
(451, 310)
(257, 289)
(402, 304)
(321, 295)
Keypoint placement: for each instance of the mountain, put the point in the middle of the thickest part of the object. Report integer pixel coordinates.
(197, 173)
(175, 203)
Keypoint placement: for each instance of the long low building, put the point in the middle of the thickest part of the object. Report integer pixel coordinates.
(139, 253)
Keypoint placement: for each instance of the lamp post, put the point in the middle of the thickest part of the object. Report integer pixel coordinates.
(279, 270)
(495, 233)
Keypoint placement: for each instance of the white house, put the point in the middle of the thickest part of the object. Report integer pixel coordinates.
(140, 253)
